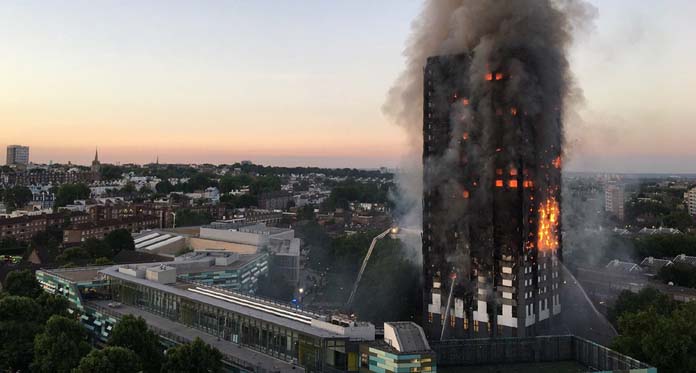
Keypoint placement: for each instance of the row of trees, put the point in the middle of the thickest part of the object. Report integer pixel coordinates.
(185, 171)
(15, 197)
(657, 330)
(37, 333)
(658, 205)
(98, 252)
(68, 193)
(350, 190)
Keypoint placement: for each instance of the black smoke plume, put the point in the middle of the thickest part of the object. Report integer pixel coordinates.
(495, 32)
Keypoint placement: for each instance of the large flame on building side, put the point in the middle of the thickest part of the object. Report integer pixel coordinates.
(547, 236)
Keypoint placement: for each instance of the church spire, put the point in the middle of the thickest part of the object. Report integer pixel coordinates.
(96, 154)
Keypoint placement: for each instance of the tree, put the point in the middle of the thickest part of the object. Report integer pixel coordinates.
(110, 172)
(23, 284)
(196, 356)
(132, 333)
(230, 183)
(110, 360)
(667, 341)
(305, 213)
(16, 197)
(61, 346)
(680, 274)
(265, 184)
(103, 261)
(188, 218)
(128, 191)
(665, 245)
(97, 248)
(52, 305)
(20, 321)
(48, 242)
(75, 255)
(164, 187)
(68, 193)
(644, 300)
(10, 246)
(119, 239)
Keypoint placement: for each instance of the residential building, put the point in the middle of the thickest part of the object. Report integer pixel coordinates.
(274, 200)
(17, 155)
(46, 177)
(621, 266)
(690, 198)
(614, 199)
(491, 207)
(659, 231)
(653, 266)
(78, 233)
(23, 228)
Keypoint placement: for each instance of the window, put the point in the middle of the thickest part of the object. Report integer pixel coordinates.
(430, 317)
(453, 321)
(465, 323)
(476, 326)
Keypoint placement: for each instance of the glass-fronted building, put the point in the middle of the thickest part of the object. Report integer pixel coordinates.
(246, 328)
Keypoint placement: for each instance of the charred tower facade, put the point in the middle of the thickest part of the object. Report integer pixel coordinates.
(491, 215)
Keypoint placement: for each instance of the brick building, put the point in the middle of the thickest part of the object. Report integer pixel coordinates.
(23, 228)
(81, 232)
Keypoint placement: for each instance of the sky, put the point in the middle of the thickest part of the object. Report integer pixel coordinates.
(302, 82)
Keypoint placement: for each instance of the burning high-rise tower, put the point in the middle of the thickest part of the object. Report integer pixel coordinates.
(491, 218)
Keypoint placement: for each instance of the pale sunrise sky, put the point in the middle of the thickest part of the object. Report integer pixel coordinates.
(302, 82)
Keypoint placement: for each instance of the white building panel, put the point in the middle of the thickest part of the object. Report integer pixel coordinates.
(481, 314)
(506, 318)
(459, 308)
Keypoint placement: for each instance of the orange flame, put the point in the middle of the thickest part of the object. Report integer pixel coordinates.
(557, 162)
(465, 194)
(499, 76)
(499, 183)
(465, 101)
(489, 76)
(547, 237)
(512, 183)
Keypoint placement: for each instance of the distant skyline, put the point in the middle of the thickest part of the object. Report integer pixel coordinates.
(302, 83)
